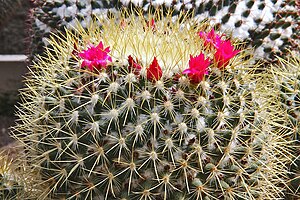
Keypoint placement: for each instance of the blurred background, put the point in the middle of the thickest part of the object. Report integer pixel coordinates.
(13, 48)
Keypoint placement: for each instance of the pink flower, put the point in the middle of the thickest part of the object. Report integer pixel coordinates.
(154, 71)
(133, 65)
(211, 38)
(95, 57)
(224, 53)
(198, 67)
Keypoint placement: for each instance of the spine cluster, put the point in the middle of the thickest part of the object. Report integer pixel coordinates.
(111, 118)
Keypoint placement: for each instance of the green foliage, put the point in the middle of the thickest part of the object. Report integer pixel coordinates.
(113, 134)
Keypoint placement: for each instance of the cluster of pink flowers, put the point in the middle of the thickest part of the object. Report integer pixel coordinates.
(224, 51)
(97, 58)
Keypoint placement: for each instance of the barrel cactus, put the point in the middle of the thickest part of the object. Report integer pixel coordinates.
(156, 108)
(271, 27)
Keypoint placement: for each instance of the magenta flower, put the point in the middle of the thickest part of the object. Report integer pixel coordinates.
(95, 57)
(210, 38)
(133, 65)
(198, 67)
(154, 72)
(224, 53)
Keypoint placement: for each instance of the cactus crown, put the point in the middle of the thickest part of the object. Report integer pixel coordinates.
(271, 27)
(156, 108)
(6, 179)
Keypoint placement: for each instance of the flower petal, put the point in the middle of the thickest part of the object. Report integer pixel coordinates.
(95, 57)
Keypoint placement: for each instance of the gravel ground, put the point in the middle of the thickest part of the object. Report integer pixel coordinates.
(13, 35)
(8, 100)
(5, 123)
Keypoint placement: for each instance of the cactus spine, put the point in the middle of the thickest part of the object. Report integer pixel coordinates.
(140, 124)
(287, 78)
(8, 188)
(271, 27)
(16, 181)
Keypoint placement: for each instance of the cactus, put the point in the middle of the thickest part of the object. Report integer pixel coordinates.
(18, 180)
(56, 15)
(287, 78)
(157, 109)
(8, 186)
(272, 27)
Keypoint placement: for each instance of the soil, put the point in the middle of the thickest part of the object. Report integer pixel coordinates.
(14, 31)
(13, 40)
(5, 124)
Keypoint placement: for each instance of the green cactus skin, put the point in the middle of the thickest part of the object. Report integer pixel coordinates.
(271, 27)
(114, 134)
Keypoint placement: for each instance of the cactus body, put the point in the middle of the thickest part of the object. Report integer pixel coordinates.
(138, 127)
(271, 27)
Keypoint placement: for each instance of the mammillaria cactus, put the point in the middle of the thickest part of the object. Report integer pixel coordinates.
(271, 27)
(156, 109)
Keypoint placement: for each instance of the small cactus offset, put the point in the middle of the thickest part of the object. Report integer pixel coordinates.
(149, 109)
(8, 185)
(14, 178)
(271, 27)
